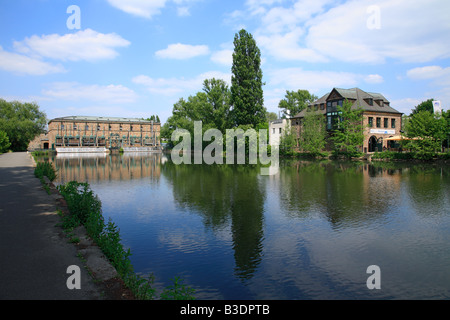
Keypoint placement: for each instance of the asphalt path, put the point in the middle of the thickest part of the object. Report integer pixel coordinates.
(34, 254)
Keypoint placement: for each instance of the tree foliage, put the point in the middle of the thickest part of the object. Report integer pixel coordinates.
(313, 135)
(348, 137)
(154, 118)
(4, 142)
(246, 82)
(295, 101)
(22, 122)
(288, 141)
(211, 106)
(423, 106)
(428, 130)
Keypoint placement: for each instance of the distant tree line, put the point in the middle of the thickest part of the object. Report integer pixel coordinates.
(154, 118)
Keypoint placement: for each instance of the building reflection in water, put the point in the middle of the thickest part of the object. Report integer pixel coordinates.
(97, 167)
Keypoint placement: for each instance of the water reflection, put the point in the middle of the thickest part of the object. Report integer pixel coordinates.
(344, 193)
(220, 194)
(308, 232)
(97, 167)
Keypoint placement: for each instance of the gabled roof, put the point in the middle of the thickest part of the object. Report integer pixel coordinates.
(359, 98)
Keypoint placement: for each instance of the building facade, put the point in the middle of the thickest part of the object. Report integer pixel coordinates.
(77, 133)
(276, 130)
(380, 120)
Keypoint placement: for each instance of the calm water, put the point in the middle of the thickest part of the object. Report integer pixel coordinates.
(309, 232)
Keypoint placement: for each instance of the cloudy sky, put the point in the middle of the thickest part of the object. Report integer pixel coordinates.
(136, 58)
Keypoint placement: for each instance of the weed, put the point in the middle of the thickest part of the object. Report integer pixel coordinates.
(178, 291)
(45, 169)
(85, 209)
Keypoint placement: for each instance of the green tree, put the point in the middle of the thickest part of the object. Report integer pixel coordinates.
(271, 116)
(446, 116)
(288, 141)
(246, 81)
(313, 135)
(4, 142)
(348, 137)
(295, 101)
(211, 106)
(424, 106)
(22, 122)
(217, 106)
(154, 118)
(428, 131)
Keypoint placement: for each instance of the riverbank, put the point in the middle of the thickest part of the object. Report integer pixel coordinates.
(37, 251)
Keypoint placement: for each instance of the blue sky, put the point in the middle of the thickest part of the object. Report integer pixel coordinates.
(137, 58)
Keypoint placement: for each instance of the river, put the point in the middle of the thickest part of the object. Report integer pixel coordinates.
(309, 232)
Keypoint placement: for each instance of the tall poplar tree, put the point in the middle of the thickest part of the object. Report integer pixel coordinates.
(246, 82)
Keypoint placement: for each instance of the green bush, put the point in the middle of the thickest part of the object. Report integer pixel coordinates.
(81, 201)
(45, 169)
(391, 155)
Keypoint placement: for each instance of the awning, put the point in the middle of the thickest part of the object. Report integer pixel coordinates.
(398, 138)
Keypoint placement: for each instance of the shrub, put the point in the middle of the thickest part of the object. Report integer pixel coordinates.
(45, 169)
(81, 200)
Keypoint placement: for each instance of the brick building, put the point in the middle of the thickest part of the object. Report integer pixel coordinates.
(79, 134)
(380, 120)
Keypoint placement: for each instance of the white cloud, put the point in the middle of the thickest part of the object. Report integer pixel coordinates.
(307, 30)
(428, 72)
(178, 86)
(150, 8)
(439, 82)
(373, 79)
(183, 12)
(21, 64)
(405, 105)
(224, 57)
(73, 91)
(182, 51)
(88, 45)
(316, 81)
(142, 8)
(286, 46)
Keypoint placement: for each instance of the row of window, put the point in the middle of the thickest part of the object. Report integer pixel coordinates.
(86, 128)
(385, 122)
(273, 130)
(332, 105)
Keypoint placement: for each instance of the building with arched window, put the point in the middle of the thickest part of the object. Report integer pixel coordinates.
(380, 120)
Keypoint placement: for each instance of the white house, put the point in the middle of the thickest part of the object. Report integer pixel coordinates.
(276, 130)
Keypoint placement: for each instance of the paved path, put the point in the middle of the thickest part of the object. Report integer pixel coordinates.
(34, 255)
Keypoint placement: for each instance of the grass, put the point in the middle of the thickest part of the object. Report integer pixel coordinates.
(85, 209)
